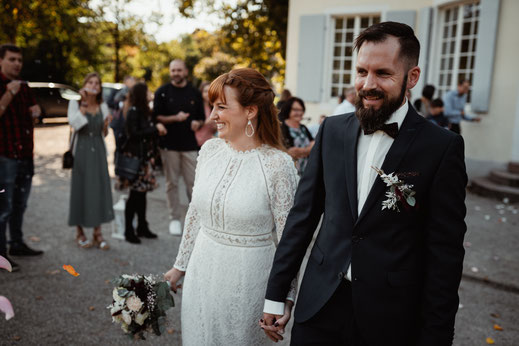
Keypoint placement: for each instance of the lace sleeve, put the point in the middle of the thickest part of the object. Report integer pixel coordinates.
(283, 184)
(192, 223)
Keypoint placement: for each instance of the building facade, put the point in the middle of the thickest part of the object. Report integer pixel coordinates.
(470, 39)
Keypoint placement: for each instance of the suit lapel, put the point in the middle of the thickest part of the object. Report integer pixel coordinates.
(396, 153)
(350, 153)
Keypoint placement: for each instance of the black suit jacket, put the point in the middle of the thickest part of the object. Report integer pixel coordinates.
(407, 265)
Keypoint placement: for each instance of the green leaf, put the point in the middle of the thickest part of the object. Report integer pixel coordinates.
(411, 201)
(123, 292)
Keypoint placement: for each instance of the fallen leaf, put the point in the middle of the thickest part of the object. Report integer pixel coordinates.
(171, 331)
(490, 341)
(70, 269)
(497, 327)
(39, 298)
(53, 272)
(34, 239)
(495, 315)
(17, 338)
(91, 308)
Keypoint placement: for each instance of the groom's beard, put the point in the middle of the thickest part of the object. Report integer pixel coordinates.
(370, 118)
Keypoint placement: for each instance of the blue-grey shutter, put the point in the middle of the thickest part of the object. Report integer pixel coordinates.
(423, 33)
(485, 49)
(311, 57)
(406, 17)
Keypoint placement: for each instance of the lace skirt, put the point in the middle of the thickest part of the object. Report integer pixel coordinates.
(224, 292)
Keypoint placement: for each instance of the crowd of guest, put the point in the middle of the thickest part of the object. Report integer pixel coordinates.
(168, 127)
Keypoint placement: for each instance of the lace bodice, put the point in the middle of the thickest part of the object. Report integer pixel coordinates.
(239, 198)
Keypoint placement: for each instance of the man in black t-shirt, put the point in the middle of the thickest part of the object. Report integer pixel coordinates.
(179, 106)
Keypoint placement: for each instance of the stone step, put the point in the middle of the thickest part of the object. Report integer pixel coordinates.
(486, 187)
(505, 178)
(513, 167)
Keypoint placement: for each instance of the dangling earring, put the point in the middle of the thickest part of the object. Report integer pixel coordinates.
(247, 128)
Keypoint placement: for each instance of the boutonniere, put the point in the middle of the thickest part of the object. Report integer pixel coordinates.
(398, 191)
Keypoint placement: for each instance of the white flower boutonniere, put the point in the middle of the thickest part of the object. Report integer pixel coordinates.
(398, 192)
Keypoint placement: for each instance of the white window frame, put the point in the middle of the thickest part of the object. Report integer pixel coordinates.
(437, 36)
(326, 86)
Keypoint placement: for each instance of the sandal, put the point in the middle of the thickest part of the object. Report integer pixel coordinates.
(100, 242)
(82, 241)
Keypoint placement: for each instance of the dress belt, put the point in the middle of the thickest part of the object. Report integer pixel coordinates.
(241, 240)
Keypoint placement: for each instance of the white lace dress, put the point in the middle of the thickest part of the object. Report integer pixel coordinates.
(238, 210)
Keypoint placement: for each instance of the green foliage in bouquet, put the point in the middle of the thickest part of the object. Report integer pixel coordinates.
(140, 304)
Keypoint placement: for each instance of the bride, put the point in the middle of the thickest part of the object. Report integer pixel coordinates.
(244, 189)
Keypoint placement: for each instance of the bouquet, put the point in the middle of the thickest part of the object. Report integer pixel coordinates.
(140, 304)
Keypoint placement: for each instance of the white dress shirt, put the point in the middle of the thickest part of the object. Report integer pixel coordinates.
(371, 152)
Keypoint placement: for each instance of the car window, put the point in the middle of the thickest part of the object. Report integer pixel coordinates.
(69, 94)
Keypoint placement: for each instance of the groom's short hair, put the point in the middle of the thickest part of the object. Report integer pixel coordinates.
(377, 33)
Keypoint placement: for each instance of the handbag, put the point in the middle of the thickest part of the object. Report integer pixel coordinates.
(126, 166)
(68, 157)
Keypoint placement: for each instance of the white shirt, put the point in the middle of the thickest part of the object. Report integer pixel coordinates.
(343, 108)
(371, 151)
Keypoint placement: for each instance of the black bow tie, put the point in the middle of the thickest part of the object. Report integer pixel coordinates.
(390, 129)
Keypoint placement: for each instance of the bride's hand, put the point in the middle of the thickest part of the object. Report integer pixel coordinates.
(274, 325)
(173, 275)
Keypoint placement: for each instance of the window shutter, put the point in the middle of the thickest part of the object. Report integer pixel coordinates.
(423, 33)
(406, 17)
(485, 49)
(311, 57)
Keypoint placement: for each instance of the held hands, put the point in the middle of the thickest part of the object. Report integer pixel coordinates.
(274, 325)
(173, 275)
(162, 129)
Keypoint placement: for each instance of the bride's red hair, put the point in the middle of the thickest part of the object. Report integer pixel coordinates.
(252, 89)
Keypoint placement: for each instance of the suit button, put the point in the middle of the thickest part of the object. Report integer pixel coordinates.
(340, 275)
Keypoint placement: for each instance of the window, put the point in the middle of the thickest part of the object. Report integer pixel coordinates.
(458, 39)
(346, 29)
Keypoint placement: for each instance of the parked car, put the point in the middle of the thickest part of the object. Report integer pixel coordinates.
(53, 98)
(109, 91)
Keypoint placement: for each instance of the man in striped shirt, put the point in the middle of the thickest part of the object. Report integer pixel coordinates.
(17, 110)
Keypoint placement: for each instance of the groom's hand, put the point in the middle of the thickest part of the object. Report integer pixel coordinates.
(270, 326)
(274, 325)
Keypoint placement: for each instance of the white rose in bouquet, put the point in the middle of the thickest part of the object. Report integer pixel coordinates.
(134, 303)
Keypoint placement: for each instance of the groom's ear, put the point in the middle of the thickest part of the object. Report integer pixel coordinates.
(252, 112)
(412, 77)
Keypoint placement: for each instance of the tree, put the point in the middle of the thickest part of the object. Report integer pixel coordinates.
(125, 29)
(54, 36)
(254, 31)
(209, 68)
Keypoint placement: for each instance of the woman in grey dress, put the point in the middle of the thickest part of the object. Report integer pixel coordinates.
(90, 193)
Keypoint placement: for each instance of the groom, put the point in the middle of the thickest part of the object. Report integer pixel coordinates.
(387, 261)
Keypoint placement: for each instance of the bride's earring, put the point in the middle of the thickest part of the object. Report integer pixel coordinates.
(247, 132)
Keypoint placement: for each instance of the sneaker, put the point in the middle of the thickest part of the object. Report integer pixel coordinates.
(14, 266)
(175, 228)
(23, 250)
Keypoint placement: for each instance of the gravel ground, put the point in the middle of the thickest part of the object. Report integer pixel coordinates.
(53, 307)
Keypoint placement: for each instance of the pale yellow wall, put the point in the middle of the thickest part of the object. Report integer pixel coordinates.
(492, 138)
